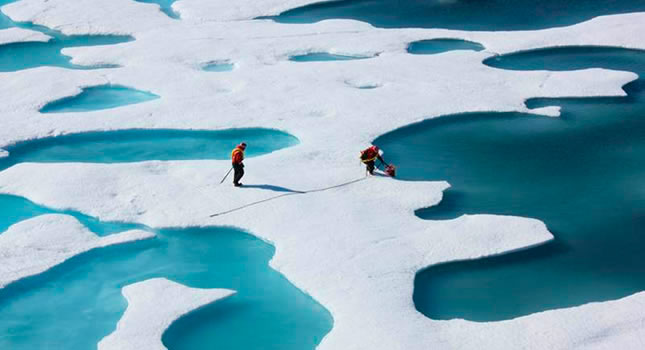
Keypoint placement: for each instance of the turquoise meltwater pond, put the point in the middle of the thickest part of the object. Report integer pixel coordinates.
(19, 56)
(324, 56)
(97, 98)
(582, 174)
(218, 67)
(435, 46)
(75, 305)
(138, 145)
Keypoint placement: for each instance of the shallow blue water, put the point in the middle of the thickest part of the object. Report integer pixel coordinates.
(76, 304)
(6, 22)
(98, 98)
(324, 56)
(582, 174)
(16, 209)
(435, 46)
(166, 7)
(145, 144)
(19, 56)
(461, 14)
(218, 67)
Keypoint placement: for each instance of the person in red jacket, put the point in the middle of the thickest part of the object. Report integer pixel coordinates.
(237, 158)
(368, 156)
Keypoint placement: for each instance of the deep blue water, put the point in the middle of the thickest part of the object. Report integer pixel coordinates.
(166, 7)
(324, 56)
(99, 97)
(435, 46)
(582, 174)
(461, 14)
(19, 56)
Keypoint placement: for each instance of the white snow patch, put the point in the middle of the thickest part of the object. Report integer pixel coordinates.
(609, 325)
(18, 35)
(614, 30)
(33, 246)
(3, 153)
(153, 305)
(547, 111)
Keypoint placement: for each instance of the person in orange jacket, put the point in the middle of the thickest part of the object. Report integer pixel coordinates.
(237, 158)
(368, 156)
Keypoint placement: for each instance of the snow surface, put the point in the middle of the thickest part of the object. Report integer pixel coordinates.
(33, 246)
(354, 248)
(153, 305)
(3, 153)
(16, 35)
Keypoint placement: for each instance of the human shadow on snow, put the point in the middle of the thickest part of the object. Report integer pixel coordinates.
(271, 188)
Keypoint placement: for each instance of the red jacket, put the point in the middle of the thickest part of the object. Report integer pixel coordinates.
(370, 154)
(237, 156)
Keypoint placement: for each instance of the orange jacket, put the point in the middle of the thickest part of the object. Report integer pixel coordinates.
(237, 156)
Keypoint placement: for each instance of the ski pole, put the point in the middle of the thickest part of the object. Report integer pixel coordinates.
(225, 176)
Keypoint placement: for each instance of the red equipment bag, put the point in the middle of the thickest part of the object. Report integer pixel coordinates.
(390, 170)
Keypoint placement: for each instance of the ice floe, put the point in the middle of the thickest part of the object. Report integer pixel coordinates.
(354, 244)
(19, 35)
(153, 305)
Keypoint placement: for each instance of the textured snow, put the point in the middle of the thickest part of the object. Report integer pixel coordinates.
(153, 305)
(354, 248)
(33, 246)
(16, 35)
(609, 325)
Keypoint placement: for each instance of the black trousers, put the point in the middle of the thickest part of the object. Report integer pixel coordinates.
(238, 172)
(370, 167)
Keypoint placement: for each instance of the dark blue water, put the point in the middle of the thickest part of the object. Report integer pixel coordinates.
(97, 98)
(582, 174)
(324, 56)
(435, 46)
(19, 56)
(76, 304)
(461, 14)
(165, 7)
